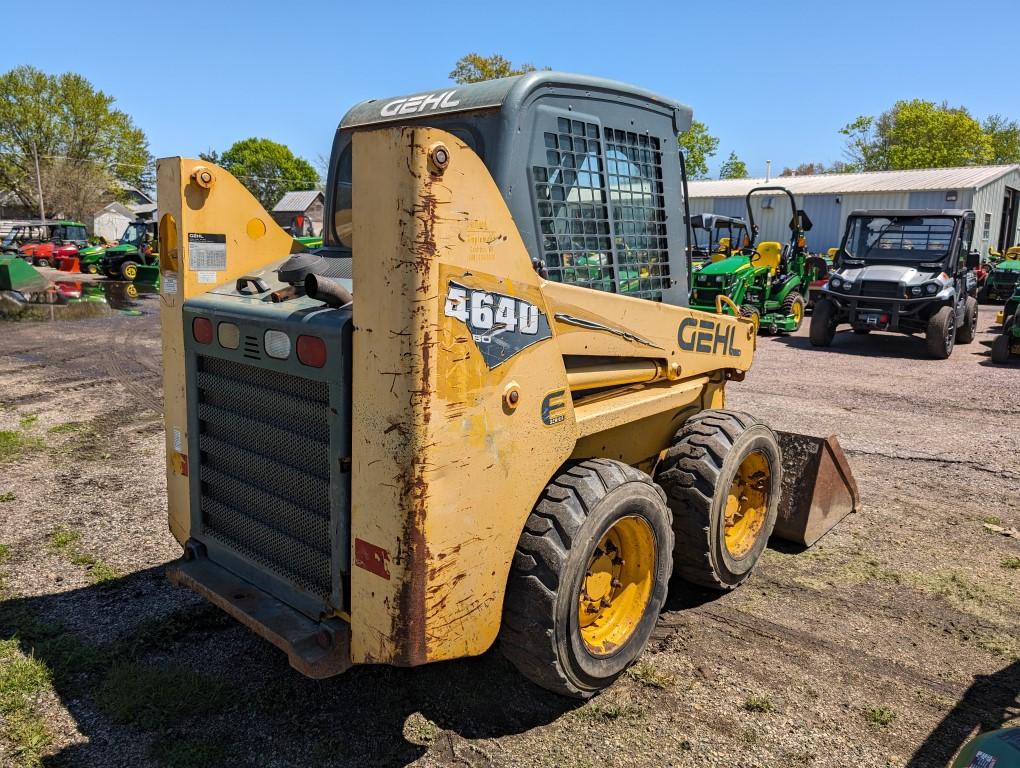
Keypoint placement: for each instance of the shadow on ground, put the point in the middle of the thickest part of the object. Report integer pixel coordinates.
(874, 344)
(191, 688)
(987, 704)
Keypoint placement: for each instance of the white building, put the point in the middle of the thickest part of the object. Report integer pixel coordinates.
(991, 191)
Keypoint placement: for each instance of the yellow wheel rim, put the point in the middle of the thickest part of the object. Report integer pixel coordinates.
(132, 292)
(747, 504)
(798, 311)
(617, 585)
(131, 272)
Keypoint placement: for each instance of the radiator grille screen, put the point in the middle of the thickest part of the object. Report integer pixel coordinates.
(264, 468)
(881, 289)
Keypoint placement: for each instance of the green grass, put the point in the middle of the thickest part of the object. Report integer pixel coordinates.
(647, 674)
(761, 704)
(155, 698)
(7, 496)
(22, 680)
(64, 542)
(992, 520)
(14, 444)
(608, 711)
(69, 426)
(29, 420)
(879, 715)
(1011, 562)
(5, 553)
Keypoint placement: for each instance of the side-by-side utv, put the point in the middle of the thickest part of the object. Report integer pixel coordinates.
(908, 271)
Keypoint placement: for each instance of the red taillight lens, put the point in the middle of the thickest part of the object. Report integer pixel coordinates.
(201, 329)
(311, 350)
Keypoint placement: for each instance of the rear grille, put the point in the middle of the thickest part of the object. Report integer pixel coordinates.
(882, 289)
(264, 468)
(1007, 278)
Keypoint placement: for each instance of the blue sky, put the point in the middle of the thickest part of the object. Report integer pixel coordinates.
(773, 80)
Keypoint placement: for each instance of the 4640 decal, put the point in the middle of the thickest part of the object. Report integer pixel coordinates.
(501, 325)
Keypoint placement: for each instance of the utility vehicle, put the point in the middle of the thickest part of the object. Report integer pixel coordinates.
(121, 261)
(60, 238)
(907, 271)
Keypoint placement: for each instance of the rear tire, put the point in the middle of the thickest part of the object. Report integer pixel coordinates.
(705, 475)
(941, 333)
(1000, 349)
(793, 305)
(751, 312)
(565, 627)
(966, 333)
(823, 323)
(42, 262)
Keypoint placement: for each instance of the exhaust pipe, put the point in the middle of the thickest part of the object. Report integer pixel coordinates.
(326, 290)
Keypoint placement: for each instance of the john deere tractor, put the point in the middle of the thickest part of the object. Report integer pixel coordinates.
(1008, 342)
(766, 280)
(1002, 279)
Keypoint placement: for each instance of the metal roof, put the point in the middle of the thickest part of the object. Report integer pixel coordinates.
(297, 201)
(491, 94)
(973, 176)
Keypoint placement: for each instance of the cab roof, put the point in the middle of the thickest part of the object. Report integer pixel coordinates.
(890, 212)
(507, 93)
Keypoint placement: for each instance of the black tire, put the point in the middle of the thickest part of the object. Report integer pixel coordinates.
(941, 333)
(42, 262)
(792, 300)
(696, 474)
(540, 633)
(129, 270)
(982, 295)
(967, 332)
(823, 323)
(1001, 349)
(751, 312)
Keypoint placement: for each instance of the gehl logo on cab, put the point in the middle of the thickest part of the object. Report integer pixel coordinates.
(707, 336)
(410, 105)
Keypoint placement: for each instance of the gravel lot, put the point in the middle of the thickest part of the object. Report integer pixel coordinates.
(887, 644)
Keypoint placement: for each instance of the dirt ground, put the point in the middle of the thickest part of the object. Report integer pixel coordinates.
(887, 644)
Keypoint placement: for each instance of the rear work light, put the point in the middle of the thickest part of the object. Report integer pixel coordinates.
(201, 329)
(277, 344)
(311, 350)
(228, 335)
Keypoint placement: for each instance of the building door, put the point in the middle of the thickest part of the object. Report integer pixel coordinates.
(1008, 223)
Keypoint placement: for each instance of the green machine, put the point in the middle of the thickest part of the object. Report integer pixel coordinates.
(1001, 281)
(767, 280)
(89, 258)
(1007, 343)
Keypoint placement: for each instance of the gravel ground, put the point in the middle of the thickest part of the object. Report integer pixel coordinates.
(887, 644)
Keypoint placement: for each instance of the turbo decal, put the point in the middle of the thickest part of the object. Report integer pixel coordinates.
(501, 325)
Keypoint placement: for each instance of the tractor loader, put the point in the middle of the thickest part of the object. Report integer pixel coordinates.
(481, 410)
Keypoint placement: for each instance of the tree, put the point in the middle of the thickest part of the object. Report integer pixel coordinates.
(267, 169)
(733, 168)
(812, 169)
(1005, 137)
(917, 134)
(83, 145)
(698, 145)
(475, 68)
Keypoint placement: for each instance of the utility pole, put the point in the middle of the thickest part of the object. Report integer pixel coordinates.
(38, 182)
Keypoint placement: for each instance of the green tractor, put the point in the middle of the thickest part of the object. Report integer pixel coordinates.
(122, 261)
(1001, 281)
(1007, 344)
(767, 281)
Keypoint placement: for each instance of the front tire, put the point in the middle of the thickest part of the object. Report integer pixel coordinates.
(129, 270)
(967, 332)
(940, 335)
(1000, 349)
(588, 579)
(982, 295)
(722, 477)
(823, 323)
(793, 306)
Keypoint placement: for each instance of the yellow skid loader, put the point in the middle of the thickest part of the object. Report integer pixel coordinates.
(481, 409)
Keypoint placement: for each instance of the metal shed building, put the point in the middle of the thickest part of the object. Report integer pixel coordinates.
(992, 191)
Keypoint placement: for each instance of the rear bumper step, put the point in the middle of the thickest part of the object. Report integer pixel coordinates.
(315, 649)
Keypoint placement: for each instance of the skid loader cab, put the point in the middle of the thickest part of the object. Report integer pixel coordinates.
(411, 441)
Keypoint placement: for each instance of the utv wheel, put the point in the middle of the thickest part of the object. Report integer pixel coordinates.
(129, 270)
(1000, 347)
(982, 295)
(42, 262)
(941, 333)
(965, 333)
(589, 578)
(823, 323)
(793, 306)
(722, 477)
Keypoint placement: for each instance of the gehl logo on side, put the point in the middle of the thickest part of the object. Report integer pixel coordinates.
(428, 101)
(707, 336)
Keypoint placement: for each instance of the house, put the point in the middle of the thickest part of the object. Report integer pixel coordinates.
(112, 220)
(301, 213)
(991, 191)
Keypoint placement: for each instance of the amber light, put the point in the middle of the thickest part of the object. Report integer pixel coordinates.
(311, 350)
(201, 329)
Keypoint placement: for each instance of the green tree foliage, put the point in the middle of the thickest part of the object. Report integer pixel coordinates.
(698, 145)
(917, 134)
(733, 168)
(475, 68)
(84, 145)
(267, 169)
(1005, 137)
(812, 169)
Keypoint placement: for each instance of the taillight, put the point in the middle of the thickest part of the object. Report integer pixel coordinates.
(201, 329)
(311, 350)
(228, 335)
